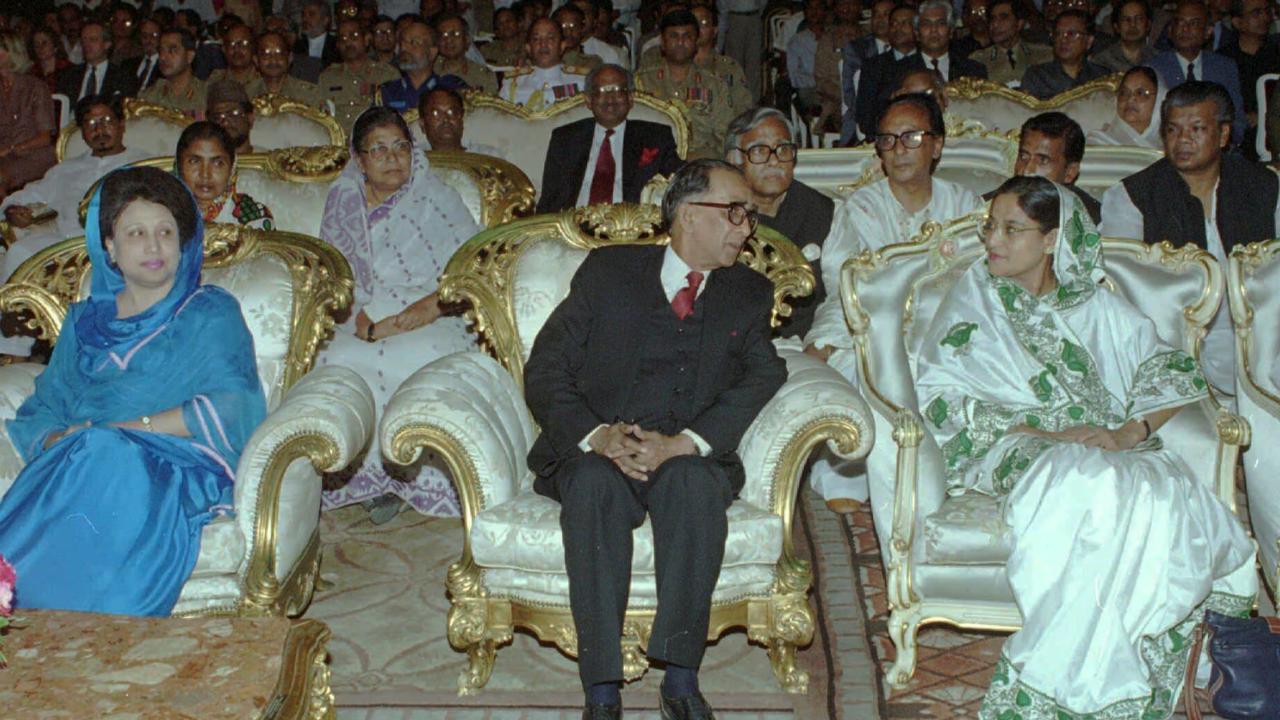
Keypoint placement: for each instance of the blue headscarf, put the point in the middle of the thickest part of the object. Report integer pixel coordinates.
(97, 326)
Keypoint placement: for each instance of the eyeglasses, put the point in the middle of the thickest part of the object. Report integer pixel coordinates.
(611, 90)
(910, 140)
(224, 116)
(272, 53)
(351, 36)
(738, 212)
(990, 229)
(759, 154)
(104, 121)
(1068, 35)
(450, 112)
(978, 11)
(453, 34)
(380, 153)
(239, 44)
(1141, 93)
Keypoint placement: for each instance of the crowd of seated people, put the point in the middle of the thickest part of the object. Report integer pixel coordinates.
(877, 73)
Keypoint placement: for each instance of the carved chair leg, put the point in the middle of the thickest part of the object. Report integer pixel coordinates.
(782, 655)
(904, 623)
(475, 675)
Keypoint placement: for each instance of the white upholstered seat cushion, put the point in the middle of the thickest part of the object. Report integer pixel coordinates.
(264, 288)
(542, 277)
(967, 530)
(222, 548)
(283, 130)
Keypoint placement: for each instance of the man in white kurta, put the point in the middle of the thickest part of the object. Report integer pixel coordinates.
(61, 190)
(886, 212)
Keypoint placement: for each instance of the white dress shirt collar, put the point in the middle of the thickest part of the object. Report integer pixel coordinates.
(944, 64)
(675, 275)
(315, 45)
(99, 75)
(1185, 64)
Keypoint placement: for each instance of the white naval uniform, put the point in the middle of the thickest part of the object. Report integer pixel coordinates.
(540, 88)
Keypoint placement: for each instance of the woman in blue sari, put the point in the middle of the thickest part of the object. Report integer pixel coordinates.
(134, 432)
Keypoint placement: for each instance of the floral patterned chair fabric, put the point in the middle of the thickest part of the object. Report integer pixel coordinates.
(265, 559)
(944, 556)
(469, 409)
(1253, 287)
(1002, 109)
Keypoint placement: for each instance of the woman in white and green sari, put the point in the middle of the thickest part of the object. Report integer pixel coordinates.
(1046, 390)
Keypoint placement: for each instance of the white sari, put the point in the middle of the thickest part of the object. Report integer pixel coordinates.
(1118, 132)
(1116, 554)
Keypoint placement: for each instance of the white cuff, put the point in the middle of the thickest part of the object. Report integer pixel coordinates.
(585, 445)
(703, 448)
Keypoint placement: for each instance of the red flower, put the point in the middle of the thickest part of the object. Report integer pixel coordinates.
(648, 155)
(8, 580)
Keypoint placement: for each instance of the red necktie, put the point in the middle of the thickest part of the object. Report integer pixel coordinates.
(602, 182)
(682, 303)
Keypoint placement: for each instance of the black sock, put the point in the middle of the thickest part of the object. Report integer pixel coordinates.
(605, 693)
(680, 681)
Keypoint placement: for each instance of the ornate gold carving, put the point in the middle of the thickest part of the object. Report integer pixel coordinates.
(302, 691)
(320, 163)
(473, 101)
(791, 624)
(967, 88)
(480, 273)
(271, 105)
(133, 108)
(1244, 263)
(505, 191)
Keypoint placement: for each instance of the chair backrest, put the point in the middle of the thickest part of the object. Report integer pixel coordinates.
(974, 157)
(523, 136)
(891, 296)
(150, 129)
(1253, 274)
(1262, 89)
(62, 104)
(281, 122)
(289, 286)
(511, 277)
(294, 184)
(1001, 108)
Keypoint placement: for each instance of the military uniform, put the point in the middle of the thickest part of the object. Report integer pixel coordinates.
(224, 74)
(498, 55)
(473, 74)
(706, 98)
(577, 58)
(723, 67)
(292, 88)
(999, 67)
(401, 95)
(352, 89)
(540, 88)
(191, 103)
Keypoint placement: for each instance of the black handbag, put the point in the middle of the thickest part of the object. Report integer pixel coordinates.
(1244, 680)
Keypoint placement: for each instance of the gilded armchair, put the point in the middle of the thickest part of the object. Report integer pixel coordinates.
(1253, 274)
(945, 556)
(265, 559)
(469, 409)
(1002, 108)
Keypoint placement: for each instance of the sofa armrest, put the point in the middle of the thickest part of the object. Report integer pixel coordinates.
(322, 425)
(467, 409)
(17, 383)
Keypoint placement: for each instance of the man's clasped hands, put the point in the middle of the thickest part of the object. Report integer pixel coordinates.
(636, 451)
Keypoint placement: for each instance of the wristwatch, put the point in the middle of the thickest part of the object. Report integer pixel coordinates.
(146, 423)
(368, 334)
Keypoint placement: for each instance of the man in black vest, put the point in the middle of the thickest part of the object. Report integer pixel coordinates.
(1201, 195)
(643, 381)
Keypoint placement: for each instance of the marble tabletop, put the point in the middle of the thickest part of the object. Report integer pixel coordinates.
(87, 665)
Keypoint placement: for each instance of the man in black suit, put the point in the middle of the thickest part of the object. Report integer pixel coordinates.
(578, 171)
(97, 75)
(643, 381)
(877, 78)
(855, 53)
(316, 41)
(933, 35)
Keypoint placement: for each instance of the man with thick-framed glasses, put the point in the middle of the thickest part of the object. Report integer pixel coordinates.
(644, 381)
(353, 83)
(909, 139)
(605, 158)
(1073, 35)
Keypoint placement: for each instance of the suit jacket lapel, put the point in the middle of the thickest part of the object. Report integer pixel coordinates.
(579, 167)
(717, 323)
(632, 145)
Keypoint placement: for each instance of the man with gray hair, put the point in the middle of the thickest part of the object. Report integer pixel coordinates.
(316, 40)
(644, 381)
(933, 41)
(605, 158)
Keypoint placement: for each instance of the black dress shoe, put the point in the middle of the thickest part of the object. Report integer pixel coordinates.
(601, 711)
(691, 707)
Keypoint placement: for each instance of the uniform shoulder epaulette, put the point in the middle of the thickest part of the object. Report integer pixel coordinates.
(576, 70)
(519, 71)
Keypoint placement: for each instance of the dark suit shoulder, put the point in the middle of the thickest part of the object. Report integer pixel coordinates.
(752, 286)
(620, 258)
(810, 198)
(648, 127)
(578, 126)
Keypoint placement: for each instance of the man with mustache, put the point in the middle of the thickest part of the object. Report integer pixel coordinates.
(48, 210)
(353, 83)
(443, 119)
(454, 36)
(273, 59)
(179, 89)
(418, 51)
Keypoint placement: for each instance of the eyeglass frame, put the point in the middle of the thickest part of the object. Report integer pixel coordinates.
(750, 215)
(900, 138)
(772, 151)
(1008, 229)
(382, 153)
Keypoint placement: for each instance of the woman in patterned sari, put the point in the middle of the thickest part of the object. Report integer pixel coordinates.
(1046, 391)
(206, 161)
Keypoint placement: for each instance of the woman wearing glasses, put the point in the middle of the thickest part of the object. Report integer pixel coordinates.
(1045, 390)
(1137, 120)
(206, 162)
(398, 225)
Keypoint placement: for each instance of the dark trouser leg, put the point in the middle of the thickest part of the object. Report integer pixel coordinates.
(687, 500)
(598, 513)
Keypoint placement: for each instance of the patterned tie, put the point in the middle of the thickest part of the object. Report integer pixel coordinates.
(91, 87)
(682, 303)
(937, 70)
(1191, 72)
(602, 181)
